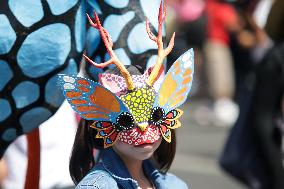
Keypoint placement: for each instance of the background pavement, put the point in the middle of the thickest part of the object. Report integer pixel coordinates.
(198, 149)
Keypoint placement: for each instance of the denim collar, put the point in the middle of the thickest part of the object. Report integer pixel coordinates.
(114, 165)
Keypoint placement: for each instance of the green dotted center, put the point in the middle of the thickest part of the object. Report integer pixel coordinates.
(140, 102)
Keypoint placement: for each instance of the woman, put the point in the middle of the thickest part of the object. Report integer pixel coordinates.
(128, 119)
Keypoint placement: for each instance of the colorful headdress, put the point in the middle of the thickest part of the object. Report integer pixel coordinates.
(128, 108)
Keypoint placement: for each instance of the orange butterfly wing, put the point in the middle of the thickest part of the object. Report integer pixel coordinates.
(177, 83)
(91, 100)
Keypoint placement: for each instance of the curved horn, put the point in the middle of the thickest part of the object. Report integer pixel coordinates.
(113, 60)
(162, 53)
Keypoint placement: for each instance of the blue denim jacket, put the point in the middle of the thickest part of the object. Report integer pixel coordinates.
(111, 173)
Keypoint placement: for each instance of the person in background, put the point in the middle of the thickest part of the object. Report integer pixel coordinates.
(254, 150)
(267, 115)
(222, 21)
(188, 19)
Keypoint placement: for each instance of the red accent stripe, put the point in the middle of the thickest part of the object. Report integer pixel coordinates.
(33, 167)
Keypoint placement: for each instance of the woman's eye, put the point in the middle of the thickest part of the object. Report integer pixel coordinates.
(124, 121)
(157, 115)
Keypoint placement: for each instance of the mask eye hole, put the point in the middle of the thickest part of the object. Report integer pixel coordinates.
(157, 115)
(124, 121)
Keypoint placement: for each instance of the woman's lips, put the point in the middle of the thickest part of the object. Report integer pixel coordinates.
(145, 145)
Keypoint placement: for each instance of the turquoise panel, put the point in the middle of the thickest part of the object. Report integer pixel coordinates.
(80, 28)
(5, 109)
(117, 4)
(151, 11)
(25, 93)
(9, 135)
(115, 23)
(7, 35)
(5, 74)
(93, 5)
(60, 6)
(26, 11)
(33, 118)
(95, 71)
(93, 40)
(44, 50)
(142, 43)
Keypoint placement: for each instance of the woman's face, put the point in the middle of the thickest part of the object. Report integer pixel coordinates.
(140, 152)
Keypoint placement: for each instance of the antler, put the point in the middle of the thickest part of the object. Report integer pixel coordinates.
(162, 53)
(113, 60)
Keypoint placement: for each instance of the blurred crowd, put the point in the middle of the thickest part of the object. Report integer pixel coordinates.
(229, 40)
(239, 53)
(239, 61)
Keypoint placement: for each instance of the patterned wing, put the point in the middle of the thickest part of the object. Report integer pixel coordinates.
(91, 100)
(166, 133)
(107, 131)
(174, 114)
(171, 120)
(177, 83)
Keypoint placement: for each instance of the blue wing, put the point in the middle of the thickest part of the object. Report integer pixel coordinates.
(177, 83)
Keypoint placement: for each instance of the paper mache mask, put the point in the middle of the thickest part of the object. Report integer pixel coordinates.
(127, 107)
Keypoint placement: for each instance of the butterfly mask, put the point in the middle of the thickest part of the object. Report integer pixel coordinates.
(128, 108)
